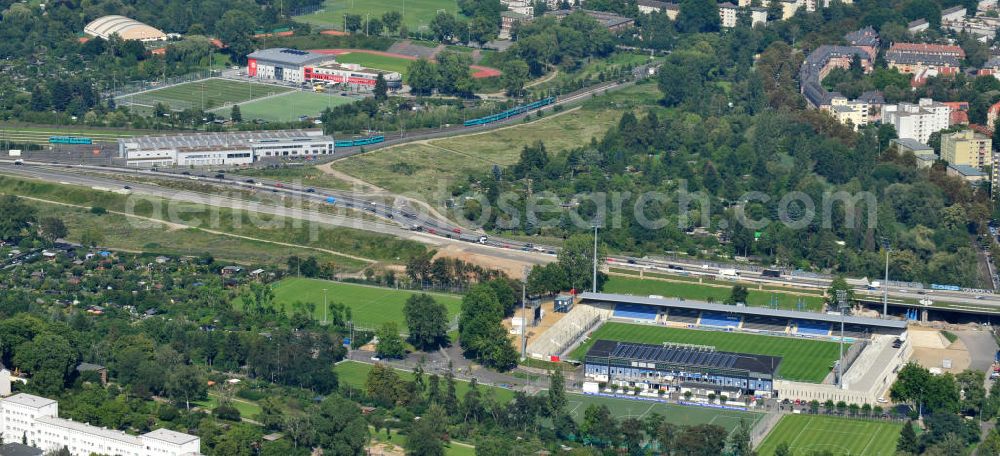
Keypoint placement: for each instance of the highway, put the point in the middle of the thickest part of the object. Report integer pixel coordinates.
(398, 218)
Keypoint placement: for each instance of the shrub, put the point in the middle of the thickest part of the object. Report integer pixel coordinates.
(226, 412)
(98, 210)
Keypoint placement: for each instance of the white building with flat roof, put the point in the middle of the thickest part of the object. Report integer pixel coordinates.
(917, 121)
(25, 417)
(234, 148)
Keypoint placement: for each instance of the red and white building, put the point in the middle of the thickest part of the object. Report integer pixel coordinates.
(297, 66)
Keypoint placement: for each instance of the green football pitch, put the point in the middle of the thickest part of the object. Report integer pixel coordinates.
(693, 290)
(807, 434)
(802, 360)
(288, 107)
(370, 306)
(206, 94)
(416, 13)
(683, 415)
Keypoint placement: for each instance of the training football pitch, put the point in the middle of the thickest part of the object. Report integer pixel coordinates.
(205, 94)
(370, 306)
(288, 107)
(683, 415)
(806, 434)
(802, 360)
(416, 13)
(703, 292)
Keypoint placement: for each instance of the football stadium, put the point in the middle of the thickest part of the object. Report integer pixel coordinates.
(656, 345)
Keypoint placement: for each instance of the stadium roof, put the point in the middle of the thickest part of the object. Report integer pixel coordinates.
(232, 139)
(287, 56)
(686, 356)
(125, 28)
(762, 311)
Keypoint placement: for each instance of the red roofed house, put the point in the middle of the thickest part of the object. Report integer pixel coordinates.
(959, 112)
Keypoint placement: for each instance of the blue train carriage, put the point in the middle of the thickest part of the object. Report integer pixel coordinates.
(70, 140)
(510, 112)
(359, 142)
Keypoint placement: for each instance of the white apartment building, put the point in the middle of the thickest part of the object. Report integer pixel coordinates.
(727, 14)
(847, 112)
(917, 121)
(36, 420)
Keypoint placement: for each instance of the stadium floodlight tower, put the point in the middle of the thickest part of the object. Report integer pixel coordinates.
(594, 284)
(842, 305)
(885, 285)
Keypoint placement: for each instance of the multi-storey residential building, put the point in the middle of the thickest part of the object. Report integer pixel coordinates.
(35, 420)
(866, 38)
(917, 121)
(924, 60)
(727, 14)
(967, 147)
(854, 113)
(819, 63)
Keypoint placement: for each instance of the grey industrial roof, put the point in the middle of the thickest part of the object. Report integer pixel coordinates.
(230, 139)
(17, 449)
(967, 171)
(953, 9)
(688, 356)
(763, 311)
(606, 19)
(912, 144)
(872, 97)
(29, 400)
(173, 437)
(288, 56)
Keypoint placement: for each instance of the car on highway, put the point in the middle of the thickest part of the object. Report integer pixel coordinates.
(279, 185)
(126, 187)
(249, 181)
(456, 231)
(220, 176)
(310, 190)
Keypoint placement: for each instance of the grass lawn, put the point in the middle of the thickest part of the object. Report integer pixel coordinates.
(307, 176)
(395, 438)
(415, 12)
(370, 306)
(355, 374)
(695, 291)
(727, 283)
(378, 62)
(806, 434)
(247, 408)
(288, 107)
(224, 220)
(425, 170)
(672, 413)
(205, 94)
(802, 360)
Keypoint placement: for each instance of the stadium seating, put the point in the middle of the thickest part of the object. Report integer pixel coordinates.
(813, 328)
(686, 316)
(635, 312)
(719, 319)
(581, 319)
(760, 323)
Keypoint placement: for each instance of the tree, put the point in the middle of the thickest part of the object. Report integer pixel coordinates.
(236, 28)
(49, 359)
(426, 434)
(381, 88)
(701, 440)
(390, 345)
(15, 218)
(557, 392)
(837, 285)
(739, 441)
(52, 228)
(444, 26)
(352, 22)
(783, 450)
(392, 20)
(422, 76)
(599, 425)
(235, 115)
(426, 321)
(454, 77)
(577, 260)
(738, 295)
(481, 333)
(383, 385)
(908, 440)
(186, 383)
(698, 16)
(515, 75)
(339, 427)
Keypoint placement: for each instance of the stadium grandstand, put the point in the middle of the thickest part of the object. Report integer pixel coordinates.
(127, 29)
(656, 367)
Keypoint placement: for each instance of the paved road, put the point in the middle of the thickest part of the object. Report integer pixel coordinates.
(982, 348)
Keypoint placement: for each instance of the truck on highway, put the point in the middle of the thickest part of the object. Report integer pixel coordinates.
(728, 273)
(874, 285)
(771, 273)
